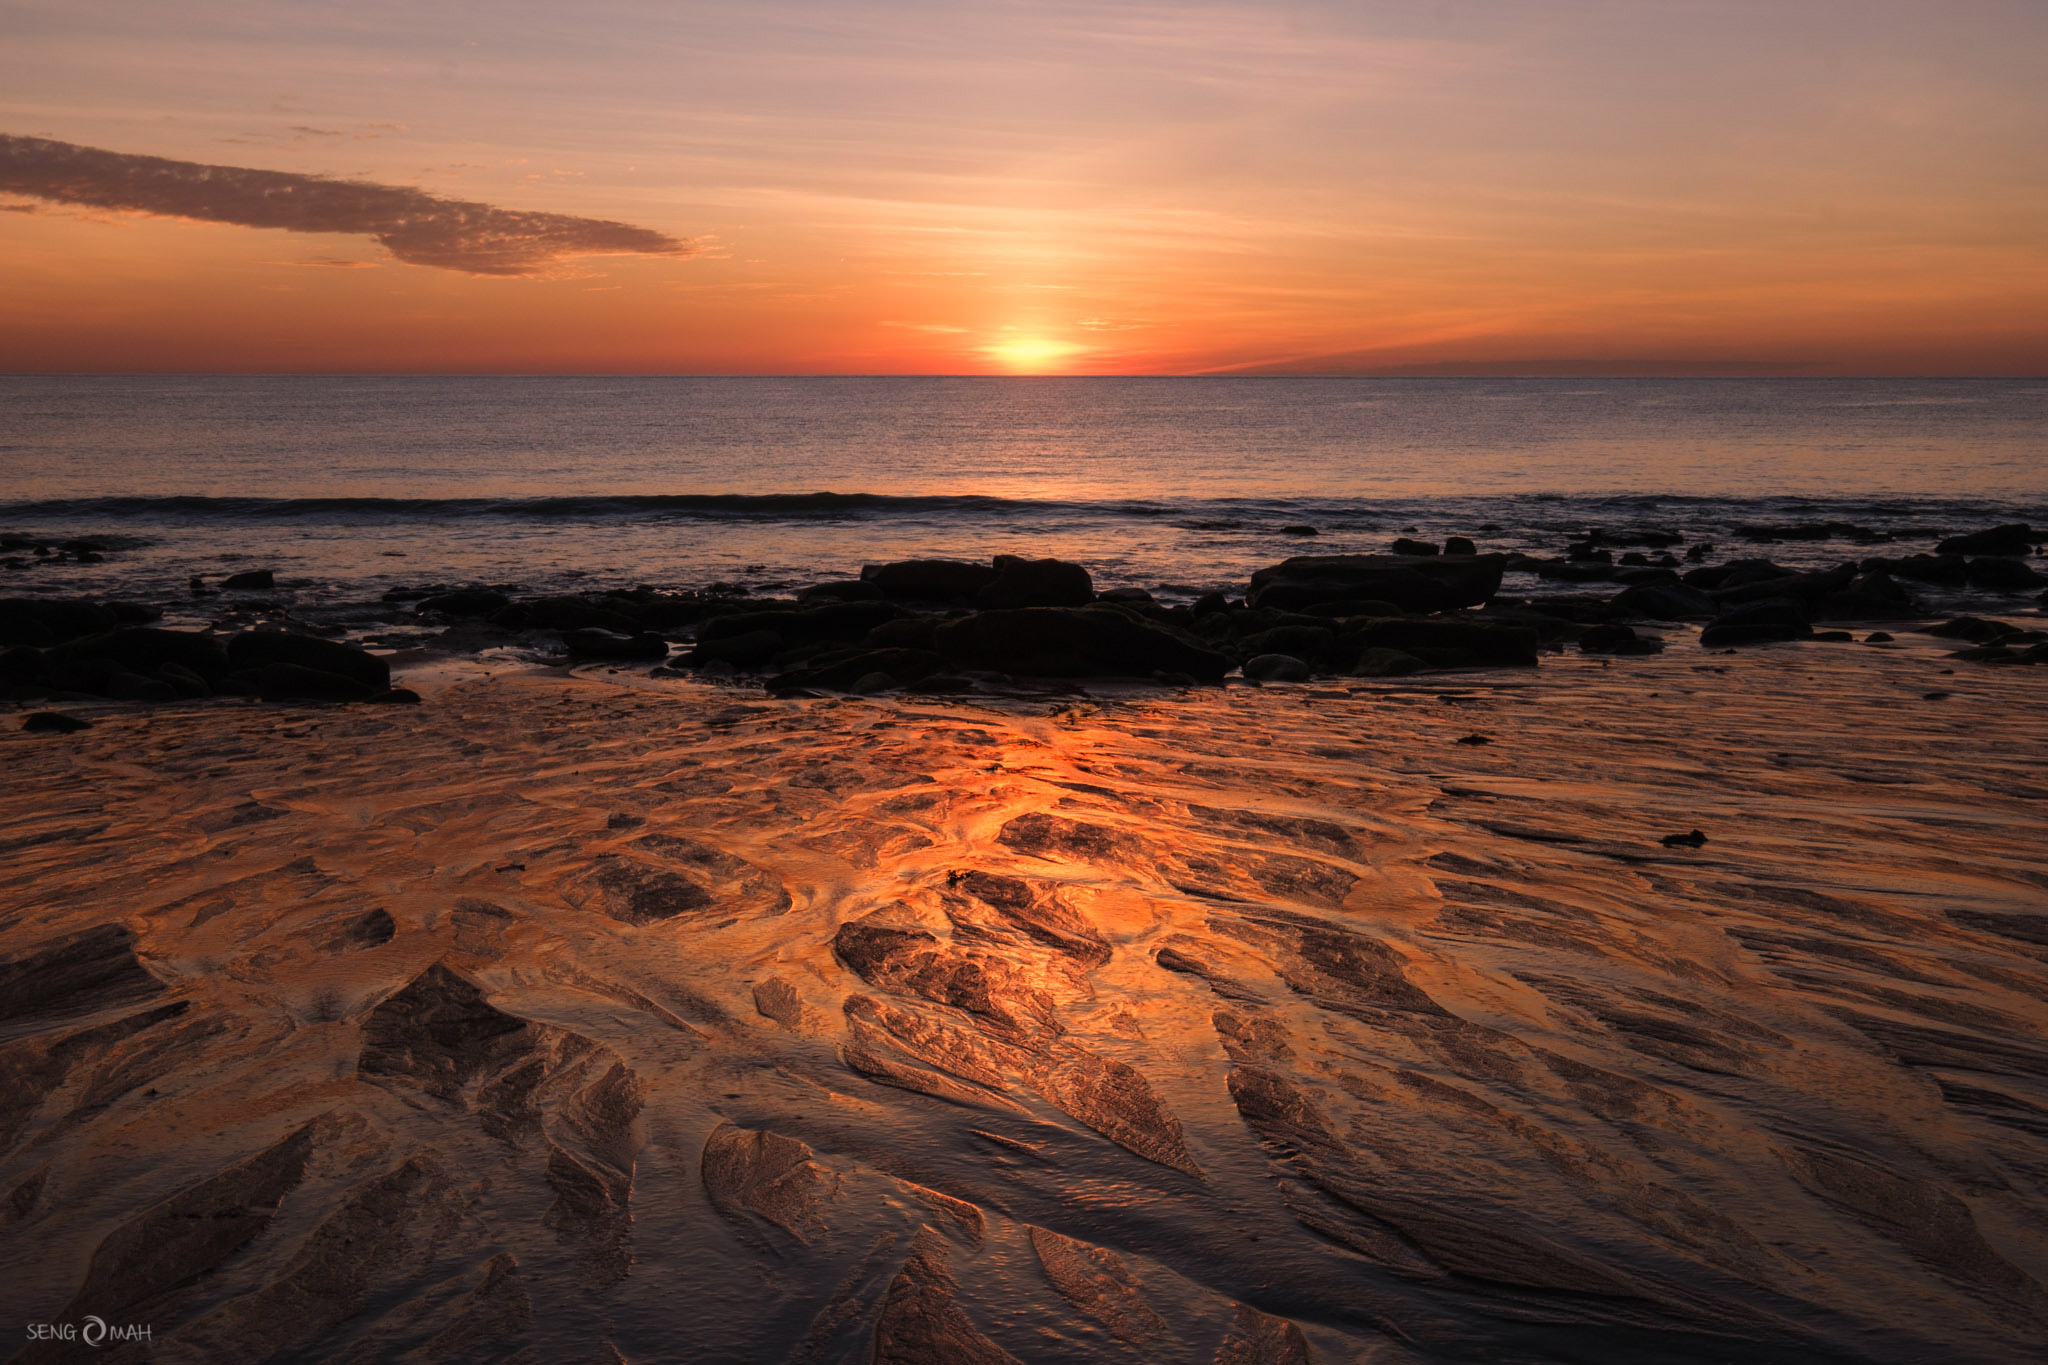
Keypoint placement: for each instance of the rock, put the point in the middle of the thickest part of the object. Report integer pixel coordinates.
(1459, 545)
(1665, 602)
(1872, 596)
(1303, 642)
(1405, 546)
(868, 684)
(145, 649)
(1877, 637)
(1754, 623)
(1275, 668)
(1999, 540)
(840, 590)
(1474, 740)
(1037, 583)
(829, 623)
(1994, 574)
(395, 696)
(53, 723)
(1073, 642)
(1811, 530)
(1693, 840)
(908, 632)
(1299, 531)
(735, 652)
(1386, 663)
(465, 602)
(82, 973)
(282, 682)
(562, 613)
(250, 580)
(930, 580)
(1947, 570)
(1133, 597)
(1613, 639)
(1454, 644)
(1803, 587)
(188, 684)
(126, 686)
(594, 643)
(1420, 583)
(844, 670)
(258, 649)
(1736, 573)
(1211, 604)
(1973, 628)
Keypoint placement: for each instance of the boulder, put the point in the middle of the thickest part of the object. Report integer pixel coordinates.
(1073, 642)
(1996, 574)
(466, 602)
(1947, 570)
(829, 623)
(145, 649)
(1036, 583)
(737, 651)
(1755, 623)
(1460, 545)
(1405, 546)
(1453, 644)
(592, 643)
(907, 632)
(42, 621)
(843, 670)
(1303, 642)
(1386, 663)
(250, 580)
(1420, 583)
(258, 649)
(1275, 668)
(282, 681)
(1800, 587)
(1664, 602)
(53, 723)
(1972, 628)
(1616, 639)
(929, 580)
(1998, 540)
(1736, 573)
(562, 613)
(840, 590)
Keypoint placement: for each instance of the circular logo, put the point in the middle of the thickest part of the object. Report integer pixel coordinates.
(95, 1331)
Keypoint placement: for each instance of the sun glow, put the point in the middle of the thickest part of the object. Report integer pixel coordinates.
(1030, 354)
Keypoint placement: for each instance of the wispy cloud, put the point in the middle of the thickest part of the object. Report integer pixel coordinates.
(414, 226)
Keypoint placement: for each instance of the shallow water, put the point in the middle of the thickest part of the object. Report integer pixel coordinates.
(1276, 1021)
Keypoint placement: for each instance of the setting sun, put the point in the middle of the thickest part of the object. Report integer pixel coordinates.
(1031, 355)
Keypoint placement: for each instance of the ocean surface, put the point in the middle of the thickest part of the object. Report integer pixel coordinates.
(352, 485)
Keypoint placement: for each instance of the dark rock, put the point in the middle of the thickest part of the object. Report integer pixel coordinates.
(1037, 583)
(1587, 552)
(1136, 597)
(831, 623)
(188, 684)
(1459, 545)
(1999, 540)
(841, 590)
(1420, 583)
(840, 672)
(2002, 575)
(751, 650)
(1303, 642)
(1454, 644)
(593, 643)
(145, 649)
(1405, 546)
(908, 632)
(1877, 637)
(1973, 628)
(250, 580)
(395, 696)
(1873, 596)
(1800, 587)
(1210, 603)
(1735, 573)
(295, 682)
(930, 580)
(1073, 642)
(259, 649)
(1275, 668)
(1386, 663)
(1811, 530)
(563, 613)
(466, 602)
(1832, 637)
(1754, 623)
(53, 723)
(1614, 639)
(1299, 531)
(126, 686)
(1946, 570)
(1665, 602)
(1693, 840)
(80, 973)
(1475, 740)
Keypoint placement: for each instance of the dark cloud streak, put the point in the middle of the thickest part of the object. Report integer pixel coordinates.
(411, 224)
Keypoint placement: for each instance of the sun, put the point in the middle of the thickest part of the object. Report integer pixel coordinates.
(1030, 354)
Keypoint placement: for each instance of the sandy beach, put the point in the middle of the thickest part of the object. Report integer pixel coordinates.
(591, 1016)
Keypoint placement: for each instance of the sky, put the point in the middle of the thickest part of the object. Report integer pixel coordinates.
(1375, 187)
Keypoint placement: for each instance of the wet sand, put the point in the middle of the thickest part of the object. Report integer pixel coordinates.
(596, 1018)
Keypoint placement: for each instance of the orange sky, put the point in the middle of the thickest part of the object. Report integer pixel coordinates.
(1649, 186)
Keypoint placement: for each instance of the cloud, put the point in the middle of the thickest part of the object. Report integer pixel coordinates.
(414, 226)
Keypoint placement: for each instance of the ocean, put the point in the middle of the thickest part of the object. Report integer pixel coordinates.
(350, 486)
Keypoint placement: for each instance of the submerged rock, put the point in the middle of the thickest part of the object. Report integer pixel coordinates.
(1762, 622)
(1615, 639)
(2014, 539)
